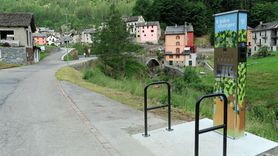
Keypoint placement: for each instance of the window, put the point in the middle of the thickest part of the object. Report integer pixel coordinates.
(171, 56)
(255, 48)
(138, 35)
(178, 56)
(190, 63)
(177, 37)
(27, 38)
(145, 35)
(152, 26)
(190, 57)
(152, 31)
(143, 31)
(147, 27)
(177, 43)
(177, 50)
(6, 35)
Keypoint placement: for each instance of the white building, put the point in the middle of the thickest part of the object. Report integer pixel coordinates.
(131, 23)
(265, 34)
(52, 40)
(86, 35)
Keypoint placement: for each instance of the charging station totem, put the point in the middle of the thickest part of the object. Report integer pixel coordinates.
(230, 69)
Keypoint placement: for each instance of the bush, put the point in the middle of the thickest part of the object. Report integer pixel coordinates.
(73, 55)
(263, 52)
(190, 75)
(81, 48)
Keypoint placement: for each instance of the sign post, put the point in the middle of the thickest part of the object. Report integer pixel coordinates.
(230, 69)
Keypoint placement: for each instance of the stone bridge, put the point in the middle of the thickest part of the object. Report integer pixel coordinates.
(150, 61)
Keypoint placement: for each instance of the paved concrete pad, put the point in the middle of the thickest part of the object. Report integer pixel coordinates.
(181, 142)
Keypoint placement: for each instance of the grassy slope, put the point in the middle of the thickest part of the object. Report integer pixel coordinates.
(262, 91)
(76, 77)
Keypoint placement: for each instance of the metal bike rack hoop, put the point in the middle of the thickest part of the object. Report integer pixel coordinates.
(224, 125)
(146, 108)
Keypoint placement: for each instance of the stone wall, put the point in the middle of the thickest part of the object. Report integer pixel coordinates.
(172, 70)
(13, 55)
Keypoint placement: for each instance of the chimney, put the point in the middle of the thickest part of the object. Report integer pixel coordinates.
(176, 25)
(261, 22)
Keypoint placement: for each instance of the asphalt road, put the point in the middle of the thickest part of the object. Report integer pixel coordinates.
(36, 119)
(41, 116)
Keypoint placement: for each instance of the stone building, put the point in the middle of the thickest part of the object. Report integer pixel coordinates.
(16, 42)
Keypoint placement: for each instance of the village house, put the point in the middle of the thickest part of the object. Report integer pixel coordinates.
(86, 36)
(45, 30)
(39, 39)
(148, 32)
(265, 34)
(16, 38)
(76, 38)
(53, 40)
(131, 23)
(179, 45)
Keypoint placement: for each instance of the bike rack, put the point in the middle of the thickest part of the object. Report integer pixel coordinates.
(146, 108)
(224, 126)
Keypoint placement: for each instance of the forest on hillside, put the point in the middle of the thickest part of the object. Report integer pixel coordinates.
(81, 14)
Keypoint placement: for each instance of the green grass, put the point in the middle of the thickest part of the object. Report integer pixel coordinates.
(76, 77)
(68, 58)
(43, 55)
(262, 91)
(184, 100)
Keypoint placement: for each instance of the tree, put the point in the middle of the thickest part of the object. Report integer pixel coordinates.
(197, 14)
(142, 8)
(114, 49)
(265, 12)
(110, 44)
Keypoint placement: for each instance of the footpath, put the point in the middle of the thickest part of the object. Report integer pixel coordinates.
(111, 122)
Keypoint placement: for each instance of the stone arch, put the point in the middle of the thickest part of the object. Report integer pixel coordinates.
(151, 63)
